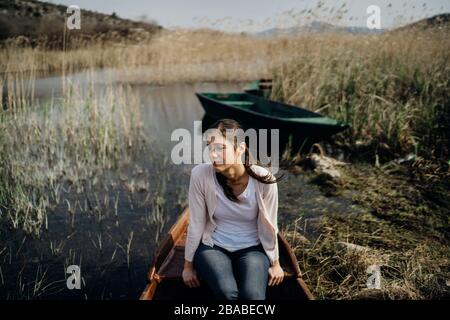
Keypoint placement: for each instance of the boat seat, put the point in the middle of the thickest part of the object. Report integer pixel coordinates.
(172, 267)
(316, 120)
(238, 103)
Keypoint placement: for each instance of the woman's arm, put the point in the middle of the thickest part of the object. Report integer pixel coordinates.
(271, 203)
(276, 273)
(188, 264)
(197, 215)
(190, 275)
(197, 220)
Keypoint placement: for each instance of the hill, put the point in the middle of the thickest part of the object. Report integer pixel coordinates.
(41, 23)
(437, 22)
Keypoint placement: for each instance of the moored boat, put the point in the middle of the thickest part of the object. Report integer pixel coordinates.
(256, 111)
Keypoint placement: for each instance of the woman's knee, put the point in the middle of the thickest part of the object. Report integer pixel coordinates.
(253, 273)
(215, 268)
(254, 264)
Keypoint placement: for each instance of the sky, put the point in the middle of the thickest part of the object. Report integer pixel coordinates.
(259, 15)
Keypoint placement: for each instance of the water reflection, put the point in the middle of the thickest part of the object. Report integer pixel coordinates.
(111, 228)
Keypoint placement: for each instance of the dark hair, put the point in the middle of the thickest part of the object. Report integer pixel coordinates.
(229, 124)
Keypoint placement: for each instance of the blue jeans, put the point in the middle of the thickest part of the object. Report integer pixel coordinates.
(242, 274)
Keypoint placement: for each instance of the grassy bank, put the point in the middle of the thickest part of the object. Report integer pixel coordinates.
(401, 226)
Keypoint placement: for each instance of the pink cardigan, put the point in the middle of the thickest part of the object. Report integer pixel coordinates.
(202, 204)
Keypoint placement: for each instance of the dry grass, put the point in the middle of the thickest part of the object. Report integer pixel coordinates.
(68, 141)
(335, 272)
(402, 229)
(392, 89)
(171, 56)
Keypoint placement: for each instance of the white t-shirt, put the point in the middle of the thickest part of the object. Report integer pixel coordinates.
(236, 221)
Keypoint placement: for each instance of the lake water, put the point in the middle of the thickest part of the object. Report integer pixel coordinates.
(112, 234)
(112, 227)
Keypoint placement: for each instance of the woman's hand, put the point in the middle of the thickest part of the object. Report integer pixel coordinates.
(190, 277)
(276, 274)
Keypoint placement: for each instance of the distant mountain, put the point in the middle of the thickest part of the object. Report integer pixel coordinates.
(440, 21)
(315, 27)
(37, 22)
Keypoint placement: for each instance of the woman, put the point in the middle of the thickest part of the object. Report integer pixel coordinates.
(232, 236)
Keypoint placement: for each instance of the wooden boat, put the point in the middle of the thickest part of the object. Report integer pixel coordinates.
(256, 111)
(165, 280)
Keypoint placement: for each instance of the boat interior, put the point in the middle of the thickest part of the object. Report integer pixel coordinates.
(261, 105)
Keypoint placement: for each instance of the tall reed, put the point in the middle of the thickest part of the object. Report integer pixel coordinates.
(64, 141)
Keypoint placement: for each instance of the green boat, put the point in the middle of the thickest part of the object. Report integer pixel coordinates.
(253, 110)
